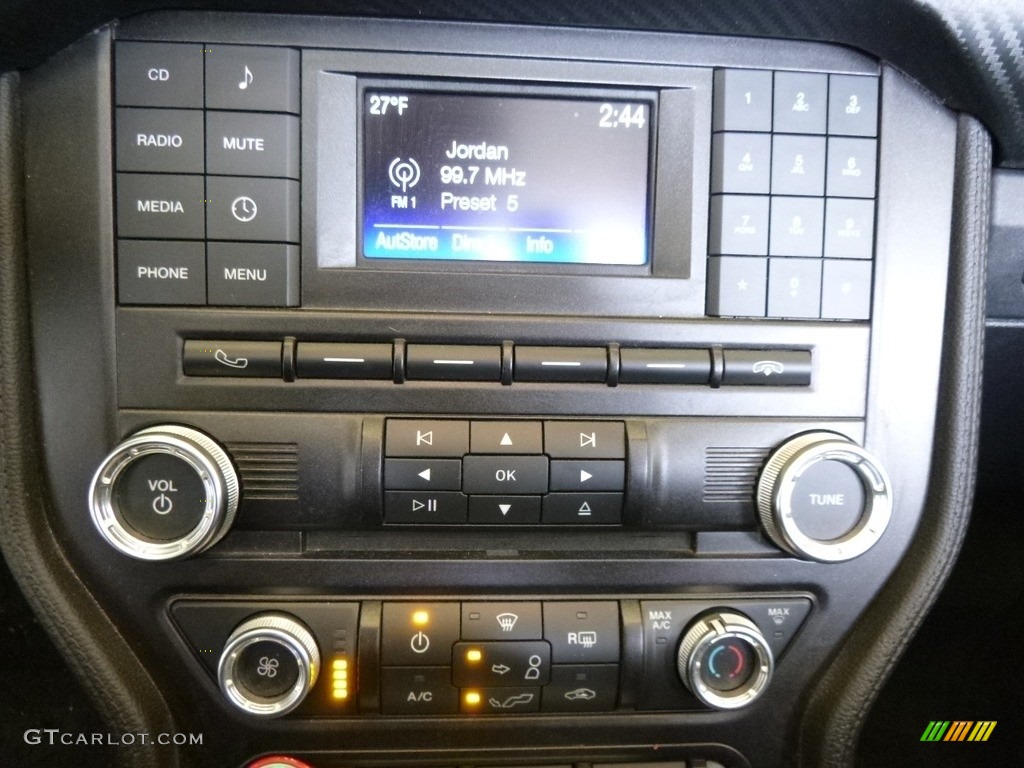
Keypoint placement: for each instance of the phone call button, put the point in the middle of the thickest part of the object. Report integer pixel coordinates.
(260, 359)
(767, 367)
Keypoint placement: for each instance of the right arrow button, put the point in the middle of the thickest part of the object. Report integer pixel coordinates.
(588, 475)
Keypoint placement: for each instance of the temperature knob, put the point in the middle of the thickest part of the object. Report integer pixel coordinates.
(164, 493)
(724, 660)
(269, 664)
(822, 497)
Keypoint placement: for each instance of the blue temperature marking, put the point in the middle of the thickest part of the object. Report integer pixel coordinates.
(711, 660)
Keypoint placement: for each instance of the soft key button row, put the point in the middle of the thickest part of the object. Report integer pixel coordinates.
(793, 183)
(207, 149)
(439, 472)
(499, 658)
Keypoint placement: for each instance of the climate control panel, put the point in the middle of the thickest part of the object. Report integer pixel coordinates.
(491, 657)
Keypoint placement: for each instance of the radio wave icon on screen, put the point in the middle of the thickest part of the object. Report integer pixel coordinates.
(404, 173)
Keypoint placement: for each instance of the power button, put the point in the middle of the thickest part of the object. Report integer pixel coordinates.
(419, 634)
(161, 497)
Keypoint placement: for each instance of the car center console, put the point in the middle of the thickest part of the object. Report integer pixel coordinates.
(436, 389)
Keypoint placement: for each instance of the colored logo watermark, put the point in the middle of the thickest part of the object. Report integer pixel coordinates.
(958, 730)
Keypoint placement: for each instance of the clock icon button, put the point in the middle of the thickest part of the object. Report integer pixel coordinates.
(244, 209)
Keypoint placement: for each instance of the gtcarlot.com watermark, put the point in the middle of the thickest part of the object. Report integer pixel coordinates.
(54, 737)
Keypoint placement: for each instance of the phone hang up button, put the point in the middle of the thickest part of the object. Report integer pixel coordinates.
(257, 359)
(767, 367)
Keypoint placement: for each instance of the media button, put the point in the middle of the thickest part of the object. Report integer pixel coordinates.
(163, 207)
(504, 510)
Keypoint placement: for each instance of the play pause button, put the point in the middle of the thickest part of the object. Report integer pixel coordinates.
(504, 510)
(424, 508)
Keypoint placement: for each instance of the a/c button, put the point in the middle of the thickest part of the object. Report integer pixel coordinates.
(418, 691)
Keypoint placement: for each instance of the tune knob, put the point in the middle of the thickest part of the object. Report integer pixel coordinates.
(164, 493)
(269, 663)
(724, 660)
(822, 497)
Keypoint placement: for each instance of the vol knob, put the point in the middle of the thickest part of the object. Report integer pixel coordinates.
(164, 493)
(823, 497)
(269, 664)
(724, 660)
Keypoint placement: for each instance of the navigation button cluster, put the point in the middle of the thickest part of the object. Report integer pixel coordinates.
(793, 189)
(561, 472)
(187, 171)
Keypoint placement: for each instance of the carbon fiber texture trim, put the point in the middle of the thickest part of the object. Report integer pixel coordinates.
(970, 53)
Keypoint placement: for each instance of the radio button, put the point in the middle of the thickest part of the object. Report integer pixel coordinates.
(741, 162)
(849, 228)
(449, 362)
(798, 165)
(232, 358)
(801, 102)
(582, 688)
(846, 290)
(252, 274)
(853, 105)
(583, 364)
(418, 691)
(588, 475)
(582, 632)
(851, 167)
(426, 508)
(794, 288)
(739, 225)
(240, 144)
(426, 474)
(582, 509)
(161, 272)
(501, 621)
(163, 207)
(501, 664)
(420, 634)
(504, 510)
(328, 360)
(769, 367)
(743, 100)
(159, 75)
(585, 439)
(664, 366)
(506, 437)
(240, 208)
(737, 287)
(160, 140)
(252, 78)
(409, 437)
(505, 474)
(796, 226)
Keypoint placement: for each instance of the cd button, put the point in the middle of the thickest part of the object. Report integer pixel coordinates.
(420, 634)
(501, 621)
(588, 475)
(160, 140)
(424, 508)
(240, 144)
(664, 366)
(505, 474)
(582, 632)
(425, 474)
(504, 510)
(585, 439)
(583, 364)
(418, 691)
(582, 509)
(505, 437)
(409, 437)
(328, 360)
(449, 362)
(159, 75)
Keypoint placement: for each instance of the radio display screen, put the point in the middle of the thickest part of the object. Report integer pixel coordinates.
(481, 177)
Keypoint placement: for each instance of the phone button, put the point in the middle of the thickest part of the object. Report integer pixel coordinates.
(259, 359)
(767, 367)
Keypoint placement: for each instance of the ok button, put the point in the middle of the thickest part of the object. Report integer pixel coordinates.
(505, 474)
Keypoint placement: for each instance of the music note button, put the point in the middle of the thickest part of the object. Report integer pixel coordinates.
(261, 79)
